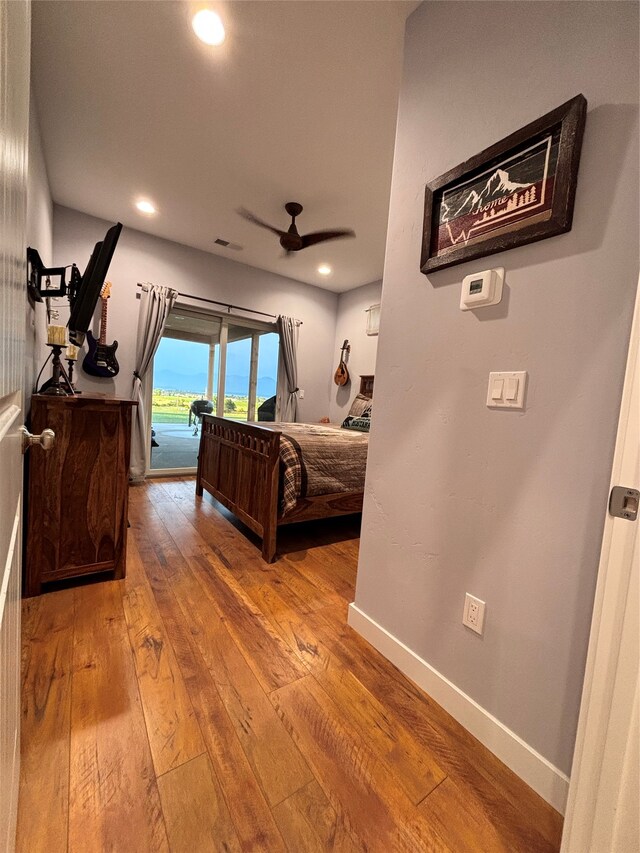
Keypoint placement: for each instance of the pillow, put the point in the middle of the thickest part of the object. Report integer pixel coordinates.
(361, 407)
(359, 424)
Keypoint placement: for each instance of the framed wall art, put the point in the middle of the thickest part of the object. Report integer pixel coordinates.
(517, 191)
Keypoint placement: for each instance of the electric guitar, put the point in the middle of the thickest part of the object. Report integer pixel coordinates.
(101, 359)
(341, 376)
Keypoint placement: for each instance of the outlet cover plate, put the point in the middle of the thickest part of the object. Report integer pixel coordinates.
(473, 614)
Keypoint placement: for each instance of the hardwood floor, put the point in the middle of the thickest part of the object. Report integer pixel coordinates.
(210, 701)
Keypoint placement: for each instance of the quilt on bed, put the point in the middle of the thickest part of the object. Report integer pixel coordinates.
(319, 459)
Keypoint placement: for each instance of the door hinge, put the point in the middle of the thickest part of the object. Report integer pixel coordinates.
(623, 502)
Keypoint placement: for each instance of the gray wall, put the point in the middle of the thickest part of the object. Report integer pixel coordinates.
(140, 257)
(40, 237)
(506, 505)
(39, 204)
(351, 323)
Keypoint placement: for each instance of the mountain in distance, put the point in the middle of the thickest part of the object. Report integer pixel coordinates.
(266, 386)
(497, 186)
(196, 383)
(172, 380)
(238, 386)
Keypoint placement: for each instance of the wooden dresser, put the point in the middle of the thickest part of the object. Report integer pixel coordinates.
(77, 491)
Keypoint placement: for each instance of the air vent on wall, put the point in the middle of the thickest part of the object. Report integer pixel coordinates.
(227, 245)
(373, 319)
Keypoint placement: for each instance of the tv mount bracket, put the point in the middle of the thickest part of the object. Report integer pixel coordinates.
(39, 284)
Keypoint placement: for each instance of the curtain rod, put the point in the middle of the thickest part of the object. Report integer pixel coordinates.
(227, 305)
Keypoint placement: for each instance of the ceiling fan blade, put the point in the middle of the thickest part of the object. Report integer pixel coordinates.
(251, 217)
(323, 236)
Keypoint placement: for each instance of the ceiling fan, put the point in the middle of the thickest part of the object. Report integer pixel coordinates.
(291, 240)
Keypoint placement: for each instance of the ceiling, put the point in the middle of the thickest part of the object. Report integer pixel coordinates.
(299, 104)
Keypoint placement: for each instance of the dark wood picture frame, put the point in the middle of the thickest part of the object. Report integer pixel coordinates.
(561, 131)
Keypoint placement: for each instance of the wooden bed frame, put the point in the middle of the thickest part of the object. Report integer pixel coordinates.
(239, 464)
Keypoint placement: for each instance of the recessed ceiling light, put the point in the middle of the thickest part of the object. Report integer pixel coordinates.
(324, 269)
(145, 206)
(208, 26)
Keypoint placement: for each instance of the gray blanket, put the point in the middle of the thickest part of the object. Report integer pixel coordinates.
(319, 459)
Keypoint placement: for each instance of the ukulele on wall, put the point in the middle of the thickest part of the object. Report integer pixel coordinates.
(101, 359)
(341, 376)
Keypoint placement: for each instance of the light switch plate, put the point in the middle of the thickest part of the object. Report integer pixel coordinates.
(507, 389)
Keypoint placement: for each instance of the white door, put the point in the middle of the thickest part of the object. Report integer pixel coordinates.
(603, 811)
(14, 132)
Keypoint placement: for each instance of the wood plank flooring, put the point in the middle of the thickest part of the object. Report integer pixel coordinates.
(210, 702)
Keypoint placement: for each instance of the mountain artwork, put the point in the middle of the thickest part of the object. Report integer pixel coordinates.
(501, 197)
(519, 190)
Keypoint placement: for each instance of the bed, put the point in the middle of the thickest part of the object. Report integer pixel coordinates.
(253, 470)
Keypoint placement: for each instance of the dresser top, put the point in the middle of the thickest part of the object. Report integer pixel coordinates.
(78, 399)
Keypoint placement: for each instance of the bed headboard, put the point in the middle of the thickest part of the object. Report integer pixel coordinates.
(366, 385)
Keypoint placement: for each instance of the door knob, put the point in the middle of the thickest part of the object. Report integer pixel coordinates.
(46, 439)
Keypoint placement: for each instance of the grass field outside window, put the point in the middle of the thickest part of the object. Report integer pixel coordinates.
(172, 407)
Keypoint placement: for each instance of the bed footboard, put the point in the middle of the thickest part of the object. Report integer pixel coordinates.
(238, 463)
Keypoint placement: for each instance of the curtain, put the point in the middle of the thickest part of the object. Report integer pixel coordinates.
(155, 304)
(288, 370)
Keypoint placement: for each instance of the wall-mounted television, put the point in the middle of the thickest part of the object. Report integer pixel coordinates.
(87, 292)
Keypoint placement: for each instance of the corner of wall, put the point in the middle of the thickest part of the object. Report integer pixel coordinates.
(351, 326)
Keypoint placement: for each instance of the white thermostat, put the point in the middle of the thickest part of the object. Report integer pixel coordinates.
(481, 289)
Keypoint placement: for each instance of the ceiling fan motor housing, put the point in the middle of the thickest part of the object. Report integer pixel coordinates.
(293, 208)
(292, 241)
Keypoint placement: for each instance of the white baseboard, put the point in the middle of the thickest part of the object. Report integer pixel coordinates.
(529, 765)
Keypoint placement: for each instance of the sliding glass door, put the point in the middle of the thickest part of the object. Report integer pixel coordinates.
(251, 371)
(182, 388)
(208, 364)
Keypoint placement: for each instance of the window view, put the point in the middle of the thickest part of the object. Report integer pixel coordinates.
(179, 380)
(251, 372)
(187, 381)
(267, 376)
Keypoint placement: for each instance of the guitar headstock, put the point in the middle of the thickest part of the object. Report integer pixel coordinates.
(105, 293)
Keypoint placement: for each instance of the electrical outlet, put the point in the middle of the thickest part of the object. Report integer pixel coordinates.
(301, 393)
(473, 614)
